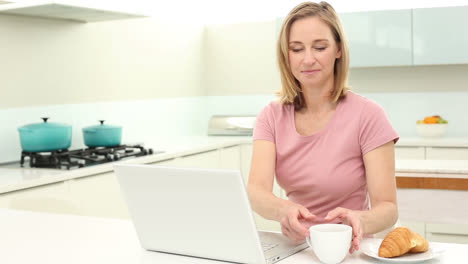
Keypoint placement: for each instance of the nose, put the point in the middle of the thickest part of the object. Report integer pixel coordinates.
(309, 57)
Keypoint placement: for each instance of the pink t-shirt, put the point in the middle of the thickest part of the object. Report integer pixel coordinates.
(326, 170)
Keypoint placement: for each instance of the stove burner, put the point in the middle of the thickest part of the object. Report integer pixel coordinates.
(82, 157)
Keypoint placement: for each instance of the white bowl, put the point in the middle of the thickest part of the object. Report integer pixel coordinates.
(431, 130)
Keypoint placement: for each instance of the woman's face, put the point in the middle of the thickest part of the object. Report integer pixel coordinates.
(312, 51)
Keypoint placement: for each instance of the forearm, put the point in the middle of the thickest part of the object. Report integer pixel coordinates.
(379, 217)
(265, 203)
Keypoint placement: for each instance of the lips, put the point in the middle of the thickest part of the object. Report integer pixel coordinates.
(310, 71)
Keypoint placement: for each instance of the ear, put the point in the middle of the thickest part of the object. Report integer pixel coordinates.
(338, 52)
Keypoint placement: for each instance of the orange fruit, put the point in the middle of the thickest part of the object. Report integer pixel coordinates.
(431, 120)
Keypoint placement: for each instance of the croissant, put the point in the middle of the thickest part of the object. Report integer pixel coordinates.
(400, 241)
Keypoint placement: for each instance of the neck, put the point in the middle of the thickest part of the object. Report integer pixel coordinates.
(318, 98)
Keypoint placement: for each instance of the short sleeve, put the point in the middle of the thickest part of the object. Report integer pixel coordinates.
(375, 128)
(264, 125)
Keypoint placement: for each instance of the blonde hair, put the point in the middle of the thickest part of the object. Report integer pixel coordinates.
(290, 92)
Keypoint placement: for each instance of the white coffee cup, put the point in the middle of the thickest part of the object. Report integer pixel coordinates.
(330, 242)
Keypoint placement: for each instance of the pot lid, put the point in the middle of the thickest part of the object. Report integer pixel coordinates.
(102, 126)
(45, 124)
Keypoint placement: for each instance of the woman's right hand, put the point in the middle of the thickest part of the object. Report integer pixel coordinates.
(294, 221)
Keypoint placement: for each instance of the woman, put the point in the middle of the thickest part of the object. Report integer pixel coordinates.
(331, 150)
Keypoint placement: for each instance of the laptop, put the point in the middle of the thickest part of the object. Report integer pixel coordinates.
(202, 213)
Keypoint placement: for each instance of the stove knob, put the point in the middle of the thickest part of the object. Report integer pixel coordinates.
(110, 157)
(117, 156)
(150, 151)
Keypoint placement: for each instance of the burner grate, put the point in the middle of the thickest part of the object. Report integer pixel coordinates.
(79, 158)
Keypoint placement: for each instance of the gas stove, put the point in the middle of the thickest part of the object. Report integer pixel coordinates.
(79, 158)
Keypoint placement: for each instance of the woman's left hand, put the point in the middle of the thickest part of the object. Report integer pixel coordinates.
(348, 217)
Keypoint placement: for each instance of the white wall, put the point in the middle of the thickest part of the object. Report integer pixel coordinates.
(163, 79)
(403, 108)
(236, 80)
(143, 121)
(240, 58)
(47, 62)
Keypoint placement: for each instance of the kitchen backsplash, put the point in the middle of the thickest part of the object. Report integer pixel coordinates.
(402, 108)
(147, 120)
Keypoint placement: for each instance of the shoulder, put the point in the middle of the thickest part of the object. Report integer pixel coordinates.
(360, 103)
(276, 108)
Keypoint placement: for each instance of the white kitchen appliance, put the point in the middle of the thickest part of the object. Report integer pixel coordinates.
(230, 125)
(198, 212)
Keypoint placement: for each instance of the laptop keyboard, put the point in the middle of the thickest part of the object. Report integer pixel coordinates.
(267, 246)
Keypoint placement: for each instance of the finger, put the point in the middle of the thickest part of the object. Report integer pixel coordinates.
(286, 232)
(306, 214)
(354, 245)
(297, 227)
(296, 234)
(291, 235)
(336, 213)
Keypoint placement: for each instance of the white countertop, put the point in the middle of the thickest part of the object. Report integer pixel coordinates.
(31, 237)
(12, 179)
(433, 142)
(459, 168)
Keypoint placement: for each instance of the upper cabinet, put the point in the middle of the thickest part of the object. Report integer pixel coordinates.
(64, 11)
(379, 38)
(440, 35)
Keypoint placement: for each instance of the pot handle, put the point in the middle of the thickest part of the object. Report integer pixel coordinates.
(45, 119)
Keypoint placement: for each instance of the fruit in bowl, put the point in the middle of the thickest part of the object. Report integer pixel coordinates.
(432, 127)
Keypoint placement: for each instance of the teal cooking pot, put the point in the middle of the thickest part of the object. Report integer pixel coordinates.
(102, 135)
(42, 137)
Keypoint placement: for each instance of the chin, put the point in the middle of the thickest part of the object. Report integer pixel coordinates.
(309, 82)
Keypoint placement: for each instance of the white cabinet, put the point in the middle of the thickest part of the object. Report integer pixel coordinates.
(416, 226)
(168, 162)
(246, 160)
(230, 158)
(430, 153)
(440, 35)
(223, 158)
(47, 198)
(445, 153)
(207, 159)
(379, 38)
(448, 233)
(436, 232)
(98, 195)
(405, 153)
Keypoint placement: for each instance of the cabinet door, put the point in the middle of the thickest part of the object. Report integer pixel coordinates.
(230, 158)
(405, 153)
(416, 226)
(440, 35)
(52, 198)
(168, 162)
(207, 160)
(266, 225)
(99, 195)
(447, 233)
(446, 153)
(246, 160)
(378, 38)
